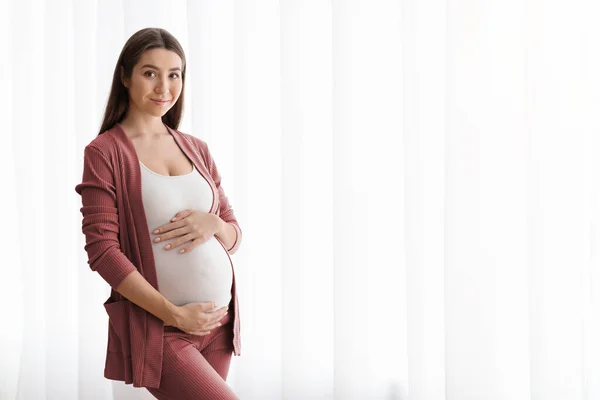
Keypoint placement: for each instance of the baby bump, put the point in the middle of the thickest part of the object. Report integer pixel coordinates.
(202, 274)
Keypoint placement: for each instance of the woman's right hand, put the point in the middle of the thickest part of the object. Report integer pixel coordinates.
(194, 318)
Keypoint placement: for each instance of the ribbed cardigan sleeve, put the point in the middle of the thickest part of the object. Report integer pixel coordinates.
(100, 219)
(226, 211)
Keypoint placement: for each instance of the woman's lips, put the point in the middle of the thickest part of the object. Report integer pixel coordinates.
(160, 103)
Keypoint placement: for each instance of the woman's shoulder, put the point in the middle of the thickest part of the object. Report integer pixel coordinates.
(104, 142)
(199, 143)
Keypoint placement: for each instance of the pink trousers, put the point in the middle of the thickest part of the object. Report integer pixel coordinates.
(195, 367)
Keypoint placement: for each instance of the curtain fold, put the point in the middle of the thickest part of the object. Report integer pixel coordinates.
(417, 182)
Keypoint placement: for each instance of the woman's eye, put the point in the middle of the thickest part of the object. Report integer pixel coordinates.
(151, 72)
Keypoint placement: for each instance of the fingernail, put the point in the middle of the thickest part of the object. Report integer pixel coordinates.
(155, 231)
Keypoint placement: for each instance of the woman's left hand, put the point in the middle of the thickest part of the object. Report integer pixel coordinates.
(188, 225)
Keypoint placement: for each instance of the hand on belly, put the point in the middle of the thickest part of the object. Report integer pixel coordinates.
(191, 226)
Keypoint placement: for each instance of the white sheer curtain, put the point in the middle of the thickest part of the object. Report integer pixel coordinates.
(417, 181)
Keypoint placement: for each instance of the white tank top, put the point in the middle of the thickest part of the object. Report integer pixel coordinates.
(202, 274)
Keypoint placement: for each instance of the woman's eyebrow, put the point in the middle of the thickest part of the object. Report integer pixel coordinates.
(155, 67)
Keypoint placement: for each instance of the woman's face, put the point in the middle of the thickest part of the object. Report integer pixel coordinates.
(157, 76)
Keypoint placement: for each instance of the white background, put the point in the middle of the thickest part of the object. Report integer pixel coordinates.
(417, 183)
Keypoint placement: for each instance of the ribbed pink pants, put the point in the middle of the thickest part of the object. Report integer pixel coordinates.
(195, 367)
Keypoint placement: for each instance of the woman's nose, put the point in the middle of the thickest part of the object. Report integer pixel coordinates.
(163, 87)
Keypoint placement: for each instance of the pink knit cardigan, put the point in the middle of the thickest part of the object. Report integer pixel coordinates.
(118, 242)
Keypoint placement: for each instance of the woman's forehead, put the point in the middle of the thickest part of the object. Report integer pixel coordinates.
(160, 59)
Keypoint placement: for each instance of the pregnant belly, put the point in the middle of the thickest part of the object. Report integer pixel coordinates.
(203, 274)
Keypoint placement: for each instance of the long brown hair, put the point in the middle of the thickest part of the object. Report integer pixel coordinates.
(118, 99)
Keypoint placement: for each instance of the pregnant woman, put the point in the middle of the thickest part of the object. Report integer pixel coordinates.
(160, 231)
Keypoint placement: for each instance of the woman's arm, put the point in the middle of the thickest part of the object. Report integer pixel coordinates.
(101, 228)
(226, 214)
(227, 234)
(139, 291)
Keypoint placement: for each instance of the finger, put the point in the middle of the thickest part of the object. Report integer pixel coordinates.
(181, 215)
(213, 326)
(171, 233)
(166, 227)
(220, 317)
(213, 310)
(200, 333)
(222, 312)
(195, 243)
(178, 242)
